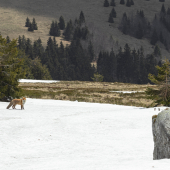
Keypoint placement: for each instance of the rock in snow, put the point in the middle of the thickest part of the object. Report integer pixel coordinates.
(161, 135)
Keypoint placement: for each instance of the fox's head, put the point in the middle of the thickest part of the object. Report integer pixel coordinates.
(23, 98)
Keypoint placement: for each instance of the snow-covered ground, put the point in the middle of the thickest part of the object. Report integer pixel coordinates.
(64, 135)
(127, 91)
(37, 81)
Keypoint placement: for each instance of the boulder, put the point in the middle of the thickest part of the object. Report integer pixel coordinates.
(161, 134)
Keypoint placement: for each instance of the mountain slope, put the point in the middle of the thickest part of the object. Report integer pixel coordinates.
(14, 13)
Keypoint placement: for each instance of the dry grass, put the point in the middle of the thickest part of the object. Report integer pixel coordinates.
(89, 92)
(14, 13)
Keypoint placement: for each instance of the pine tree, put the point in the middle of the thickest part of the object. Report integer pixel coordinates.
(122, 2)
(29, 49)
(27, 23)
(39, 71)
(136, 68)
(81, 18)
(97, 77)
(139, 32)
(34, 24)
(68, 31)
(132, 2)
(84, 33)
(61, 23)
(154, 37)
(10, 70)
(163, 11)
(128, 3)
(31, 28)
(91, 51)
(19, 42)
(161, 38)
(106, 3)
(168, 11)
(162, 94)
(8, 39)
(113, 71)
(113, 13)
(157, 52)
(23, 43)
(54, 30)
(110, 18)
(124, 24)
(112, 3)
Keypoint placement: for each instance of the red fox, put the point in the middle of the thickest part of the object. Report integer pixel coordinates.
(14, 102)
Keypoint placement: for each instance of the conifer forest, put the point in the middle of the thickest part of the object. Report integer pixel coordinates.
(79, 61)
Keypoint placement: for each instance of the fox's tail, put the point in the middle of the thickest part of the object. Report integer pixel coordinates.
(10, 104)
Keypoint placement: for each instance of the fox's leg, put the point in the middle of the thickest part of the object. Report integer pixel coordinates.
(22, 107)
(13, 106)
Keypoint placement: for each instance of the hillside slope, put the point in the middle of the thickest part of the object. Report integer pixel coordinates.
(14, 13)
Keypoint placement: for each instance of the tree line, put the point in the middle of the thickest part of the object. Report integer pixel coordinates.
(128, 66)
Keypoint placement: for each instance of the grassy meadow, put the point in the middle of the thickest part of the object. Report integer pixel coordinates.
(96, 92)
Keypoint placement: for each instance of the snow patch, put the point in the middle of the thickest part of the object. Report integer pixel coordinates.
(37, 81)
(65, 135)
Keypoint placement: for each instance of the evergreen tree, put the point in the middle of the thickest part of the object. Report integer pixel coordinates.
(34, 24)
(124, 26)
(10, 70)
(143, 79)
(91, 51)
(61, 23)
(122, 1)
(154, 37)
(112, 3)
(110, 18)
(68, 31)
(84, 32)
(161, 95)
(39, 71)
(139, 32)
(161, 39)
(97, 77)
(31, 28)
(132, 2)
(29, 49)
(54, 30)
(106, 3)
(157, 52)
(8, 39)
(168, 11)
(163, 11)
(136, 68)
(27, 23)
(113, 65)
(113, 13)
(23, 43)
(128, 3)
(19, 42)
(161, 0)
(81, 18)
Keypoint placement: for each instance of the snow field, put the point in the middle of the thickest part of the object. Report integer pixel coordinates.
(64, 135)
